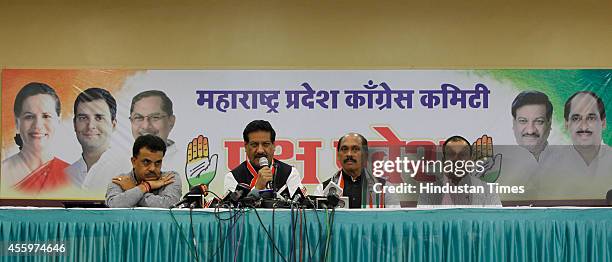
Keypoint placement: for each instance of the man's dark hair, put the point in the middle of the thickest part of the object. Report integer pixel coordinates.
(532, 98)
(33, 89)
(600, 105)
(455, 139)
(364, 143)
(258, 125)
(166, 105)
(152, 142)
(95, 93)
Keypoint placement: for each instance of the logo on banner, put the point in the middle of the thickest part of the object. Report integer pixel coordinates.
(200, 166)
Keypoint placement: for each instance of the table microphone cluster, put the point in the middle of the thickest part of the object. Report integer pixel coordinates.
(240, 197)
(265, 199)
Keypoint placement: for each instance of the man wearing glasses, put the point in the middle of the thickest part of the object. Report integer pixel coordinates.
(151, 114)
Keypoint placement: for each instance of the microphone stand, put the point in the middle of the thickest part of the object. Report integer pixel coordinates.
(274, 180)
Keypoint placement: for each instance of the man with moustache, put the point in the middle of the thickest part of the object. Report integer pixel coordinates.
(146, 185)
(356, 181)
(95, 111)
(588, 162)
(532, 117)
(279, 177)
(533, 157)
(585, 119)
(151, 113)
(584, 169)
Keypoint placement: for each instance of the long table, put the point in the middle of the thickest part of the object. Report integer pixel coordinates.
(465, 234)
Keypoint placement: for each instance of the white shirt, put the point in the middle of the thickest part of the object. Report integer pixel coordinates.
(100, 174)
(571, 178)
(598, 166)
(173, 161)
(521, 168)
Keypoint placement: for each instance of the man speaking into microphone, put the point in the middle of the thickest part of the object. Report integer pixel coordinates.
(260, 170)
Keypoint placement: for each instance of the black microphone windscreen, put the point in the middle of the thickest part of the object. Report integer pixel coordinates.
(194, 195)
(197, 190)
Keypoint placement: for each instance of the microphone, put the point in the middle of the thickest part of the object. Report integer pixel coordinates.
(239, 195)
(242, 190)
(302, 199)
(332, 192)
(194, 195)
(332, 198)
(263, 161)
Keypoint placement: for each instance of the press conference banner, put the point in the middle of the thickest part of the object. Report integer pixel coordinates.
(54, 149)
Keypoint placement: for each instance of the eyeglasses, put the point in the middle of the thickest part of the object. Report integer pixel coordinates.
(152, 118)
